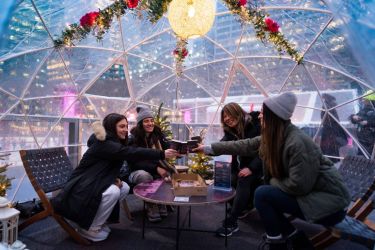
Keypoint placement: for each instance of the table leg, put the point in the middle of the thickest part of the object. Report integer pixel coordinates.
(178, 228)
(225, 224)
(144, 220)
(189, 216)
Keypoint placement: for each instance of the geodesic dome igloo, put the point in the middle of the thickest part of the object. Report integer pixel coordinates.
(50, 95)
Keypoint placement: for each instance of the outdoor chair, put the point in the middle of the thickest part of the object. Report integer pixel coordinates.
(359, 175)
(48, 171)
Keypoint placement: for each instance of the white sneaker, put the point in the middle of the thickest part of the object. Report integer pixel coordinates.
(93, 235)
(106, 228)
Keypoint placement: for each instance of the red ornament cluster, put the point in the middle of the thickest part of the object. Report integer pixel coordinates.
(272, 25)
(242, 2)
(132, 3)
(89, 19)
(180, 53)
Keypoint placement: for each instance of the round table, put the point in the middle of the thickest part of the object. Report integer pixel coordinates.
(161, 192)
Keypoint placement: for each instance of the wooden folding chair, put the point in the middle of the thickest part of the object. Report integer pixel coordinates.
(127, 210)
(359, 175)
(48, 171)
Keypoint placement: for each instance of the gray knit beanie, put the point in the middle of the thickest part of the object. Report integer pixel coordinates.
(143, 113)
(282, 105)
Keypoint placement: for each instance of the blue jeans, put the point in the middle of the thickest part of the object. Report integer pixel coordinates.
(272, 204)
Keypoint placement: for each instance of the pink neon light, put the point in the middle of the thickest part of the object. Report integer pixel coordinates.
(187, 116)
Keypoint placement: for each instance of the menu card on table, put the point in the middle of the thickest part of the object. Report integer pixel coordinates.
(222, 176)
(149, 187)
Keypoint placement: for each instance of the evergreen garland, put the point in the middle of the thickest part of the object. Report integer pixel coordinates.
(98, 23)
(264, 31)
(156, 9)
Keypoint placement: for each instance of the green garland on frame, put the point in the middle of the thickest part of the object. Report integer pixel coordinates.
(266, 29)
(156, 9)
(98, 23)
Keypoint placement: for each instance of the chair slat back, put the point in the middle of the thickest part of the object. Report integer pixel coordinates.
(359, 175)
(49, 169)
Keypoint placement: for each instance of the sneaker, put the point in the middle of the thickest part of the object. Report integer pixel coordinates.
(273, 244)
(232, 227)
(153, 213)
(106, 228)
(93, 235)
(163, 210)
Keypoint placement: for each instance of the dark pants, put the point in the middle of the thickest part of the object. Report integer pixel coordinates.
(244, 194)
(272, 204)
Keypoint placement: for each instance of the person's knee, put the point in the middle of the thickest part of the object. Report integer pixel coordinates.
(113, 192)
(260, 194)
(124, 190)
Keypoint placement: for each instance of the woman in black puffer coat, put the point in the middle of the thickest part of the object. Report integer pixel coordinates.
(246, 172)
(93, 190)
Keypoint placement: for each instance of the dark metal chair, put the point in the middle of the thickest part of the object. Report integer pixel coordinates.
(359, 175)
(48, 171)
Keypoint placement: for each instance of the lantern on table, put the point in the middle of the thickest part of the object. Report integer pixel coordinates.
(8, 222)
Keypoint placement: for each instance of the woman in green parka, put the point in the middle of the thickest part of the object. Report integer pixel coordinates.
(299, 180)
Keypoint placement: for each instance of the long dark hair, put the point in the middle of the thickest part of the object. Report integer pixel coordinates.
(272, 142)
(140, 138)
(109, 124)
(235, 111)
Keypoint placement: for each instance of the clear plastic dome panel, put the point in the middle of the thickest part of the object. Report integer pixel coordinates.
(136, 32)
(24, 31)
(6, 103)
(159, 48)
(16, 134)
(145, 74)
(111, 83)
(85, 65)
(330, 51)
(103, 105)
(16, 73)
(211, 77)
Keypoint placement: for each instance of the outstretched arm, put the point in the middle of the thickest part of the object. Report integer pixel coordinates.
(247, 147)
